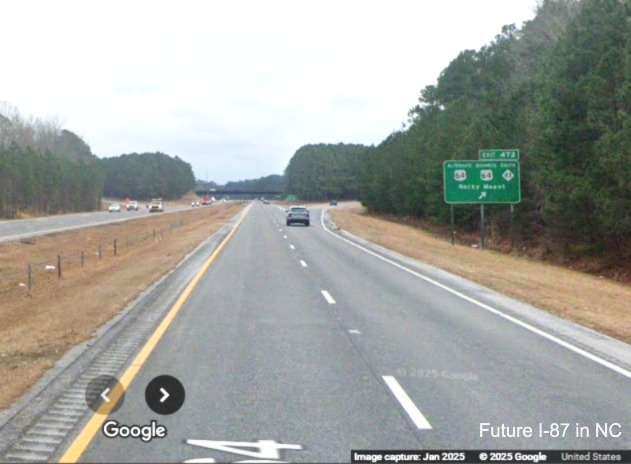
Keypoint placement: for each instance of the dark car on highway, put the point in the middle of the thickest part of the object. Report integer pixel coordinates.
(298, 214)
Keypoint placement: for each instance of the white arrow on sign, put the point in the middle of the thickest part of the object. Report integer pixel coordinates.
(166, 395)
(104, 395)
(482, 195)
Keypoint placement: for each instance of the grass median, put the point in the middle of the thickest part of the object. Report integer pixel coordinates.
(36, 329)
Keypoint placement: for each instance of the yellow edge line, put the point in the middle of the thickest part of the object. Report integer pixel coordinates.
(82, 441)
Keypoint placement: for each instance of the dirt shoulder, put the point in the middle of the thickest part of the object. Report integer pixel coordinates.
(592, 301)
(36, 330)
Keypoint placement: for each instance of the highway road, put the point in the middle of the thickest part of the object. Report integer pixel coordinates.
(24, 228)
(297, 345)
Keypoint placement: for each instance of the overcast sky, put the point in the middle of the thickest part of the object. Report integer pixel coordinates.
(234, 87)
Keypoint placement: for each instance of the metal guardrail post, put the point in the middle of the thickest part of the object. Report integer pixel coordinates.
(30, 278)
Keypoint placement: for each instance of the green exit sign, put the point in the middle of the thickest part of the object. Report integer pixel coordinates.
(481, 181)
(499, 154)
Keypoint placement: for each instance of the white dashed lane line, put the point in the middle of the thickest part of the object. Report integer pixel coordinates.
(292, 247)
(302, 263)
(586, 354)
(327, 296)
(406, 402)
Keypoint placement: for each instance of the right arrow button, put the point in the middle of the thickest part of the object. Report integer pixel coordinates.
(165, 395)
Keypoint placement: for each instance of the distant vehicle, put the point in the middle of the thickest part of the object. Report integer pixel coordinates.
(265, 201)
(207, 200)
(114, 208)
(156, 205)
(298, 214)
(333, 203)
(195, 204)
(132, 205)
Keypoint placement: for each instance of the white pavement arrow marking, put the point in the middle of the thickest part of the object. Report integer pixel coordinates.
(104, 395)
(166, 395)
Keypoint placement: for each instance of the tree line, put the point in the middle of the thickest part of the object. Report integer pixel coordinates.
(146, 175)
(325, 171)
(44, 169)
(558, 89)
(274, 182)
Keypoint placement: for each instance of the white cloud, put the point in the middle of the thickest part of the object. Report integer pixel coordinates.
(235, 87)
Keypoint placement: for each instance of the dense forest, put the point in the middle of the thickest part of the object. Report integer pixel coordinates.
(325, 171)
(48, 170)
(558, 89)
(147, 175)
(44, 169)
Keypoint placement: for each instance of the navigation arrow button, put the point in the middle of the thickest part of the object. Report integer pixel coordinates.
(162, 388)
(104, 394)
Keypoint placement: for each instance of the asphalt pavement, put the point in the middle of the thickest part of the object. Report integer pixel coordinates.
(25, 228)
(296, 345)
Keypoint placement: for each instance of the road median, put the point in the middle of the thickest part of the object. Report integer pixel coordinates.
(37, 329)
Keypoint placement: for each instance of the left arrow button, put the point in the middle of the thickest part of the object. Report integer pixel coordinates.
(104, 394)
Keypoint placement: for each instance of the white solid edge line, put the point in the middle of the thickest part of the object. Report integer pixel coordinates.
(327, 296)
(552, 338)
(302, 263)
(406, 402)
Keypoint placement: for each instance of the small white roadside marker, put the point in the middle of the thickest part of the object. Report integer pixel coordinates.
(327, 296)
(302, 263)
(407, 403)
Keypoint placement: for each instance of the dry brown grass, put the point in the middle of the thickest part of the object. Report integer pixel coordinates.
(594, 302)
(36, 331)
